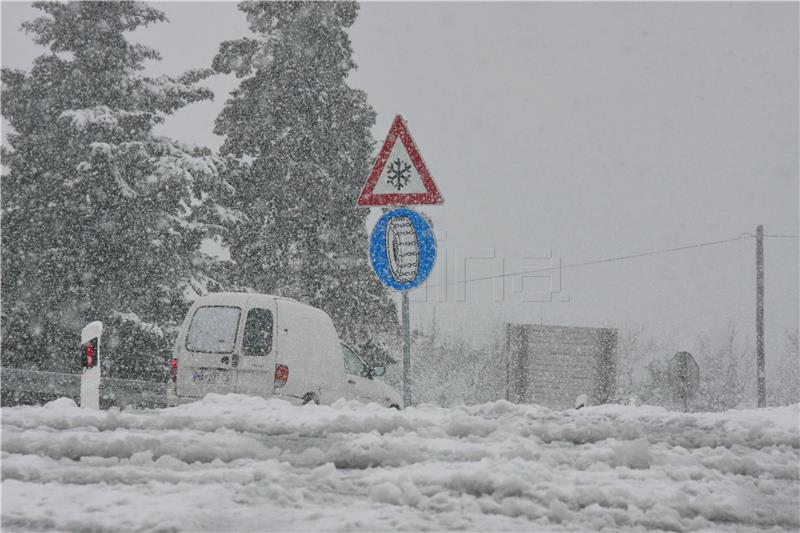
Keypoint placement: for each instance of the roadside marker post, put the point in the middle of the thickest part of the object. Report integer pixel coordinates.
(90, 364)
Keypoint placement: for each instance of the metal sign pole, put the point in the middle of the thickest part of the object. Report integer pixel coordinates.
(406, 352)
(761, 372)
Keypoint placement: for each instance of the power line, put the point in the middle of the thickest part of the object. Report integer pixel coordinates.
(599, 261)
(782, 236)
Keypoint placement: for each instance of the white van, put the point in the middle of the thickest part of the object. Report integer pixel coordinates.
(268, 346)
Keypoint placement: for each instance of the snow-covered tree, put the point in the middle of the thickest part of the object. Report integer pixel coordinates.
(726, 372)
(302, 139)
(101, 220)
(449, 369)
(635, 349)
(783, 373)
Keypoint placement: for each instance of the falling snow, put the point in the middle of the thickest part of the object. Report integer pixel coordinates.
(104, 218)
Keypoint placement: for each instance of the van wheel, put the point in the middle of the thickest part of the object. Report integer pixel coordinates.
(310, 397)
(394, 406)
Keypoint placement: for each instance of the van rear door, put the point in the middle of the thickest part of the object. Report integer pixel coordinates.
(210, 347)
(255, 367)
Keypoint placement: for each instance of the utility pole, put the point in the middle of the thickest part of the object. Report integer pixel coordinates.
(761, 372)
(406, 352)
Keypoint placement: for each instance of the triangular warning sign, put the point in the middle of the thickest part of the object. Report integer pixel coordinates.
(399, 176)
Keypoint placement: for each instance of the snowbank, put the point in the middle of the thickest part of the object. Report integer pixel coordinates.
(235, 463)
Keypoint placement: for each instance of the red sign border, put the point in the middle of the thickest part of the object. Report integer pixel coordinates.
(432, 197)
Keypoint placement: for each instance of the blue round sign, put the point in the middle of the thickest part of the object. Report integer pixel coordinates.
(402, 249)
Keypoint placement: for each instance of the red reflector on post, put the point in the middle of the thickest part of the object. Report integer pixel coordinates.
(89, 354)
(173, 370)
(281, 375)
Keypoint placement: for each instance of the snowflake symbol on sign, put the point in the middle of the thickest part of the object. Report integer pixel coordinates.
(399, 173)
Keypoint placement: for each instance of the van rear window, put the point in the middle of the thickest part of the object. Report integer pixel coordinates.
(258, 332)
(213, 329)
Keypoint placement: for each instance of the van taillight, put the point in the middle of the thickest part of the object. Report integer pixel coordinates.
(281, 376)
(173, 370)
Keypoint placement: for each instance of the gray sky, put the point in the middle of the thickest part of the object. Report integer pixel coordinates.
(592, 130)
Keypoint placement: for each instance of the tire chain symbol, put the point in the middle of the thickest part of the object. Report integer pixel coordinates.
(402, 249)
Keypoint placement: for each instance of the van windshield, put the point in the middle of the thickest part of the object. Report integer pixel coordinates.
(352, 363)
(213, 329)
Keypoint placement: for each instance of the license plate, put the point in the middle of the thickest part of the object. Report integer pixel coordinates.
(210, 375)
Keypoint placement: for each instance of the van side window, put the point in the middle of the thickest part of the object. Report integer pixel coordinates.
(352, 364)
(258, 332)
(213, 329)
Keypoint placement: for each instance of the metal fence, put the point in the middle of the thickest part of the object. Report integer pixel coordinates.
(32, 386)
(553, 365)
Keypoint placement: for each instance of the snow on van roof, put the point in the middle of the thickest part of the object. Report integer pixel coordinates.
(228, 297)
(242, 294)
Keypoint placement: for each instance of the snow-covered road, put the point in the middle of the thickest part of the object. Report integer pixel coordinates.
(234, 463)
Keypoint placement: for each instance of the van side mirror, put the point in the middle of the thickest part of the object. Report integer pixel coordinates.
(370, 372)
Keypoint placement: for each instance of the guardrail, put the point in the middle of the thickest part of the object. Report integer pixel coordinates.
(113, 391)
(133, 393)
